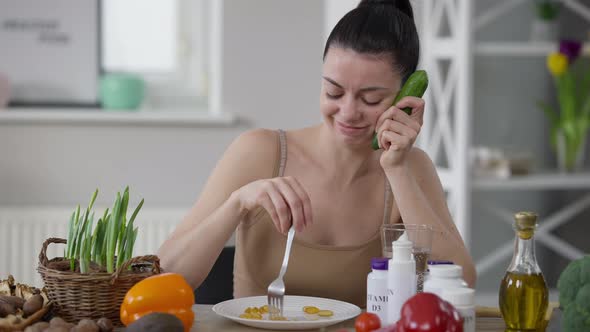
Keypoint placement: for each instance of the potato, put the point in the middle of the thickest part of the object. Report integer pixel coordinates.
(32, 305)
(37, 327)
(58, 321)
(105, 325)
(57, 329)
(86, 325)
(16, 301)
(156, 322)
(6, 309)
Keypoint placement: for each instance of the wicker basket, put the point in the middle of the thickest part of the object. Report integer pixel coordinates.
(93, 295)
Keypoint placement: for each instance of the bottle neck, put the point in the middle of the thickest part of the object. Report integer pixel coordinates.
(524, 259)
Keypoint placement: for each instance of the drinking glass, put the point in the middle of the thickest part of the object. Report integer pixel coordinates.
(421, 237)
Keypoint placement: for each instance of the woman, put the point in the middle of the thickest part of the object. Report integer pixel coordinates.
(326, 180)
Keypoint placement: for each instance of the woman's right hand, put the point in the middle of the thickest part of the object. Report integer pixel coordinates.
(284, 198)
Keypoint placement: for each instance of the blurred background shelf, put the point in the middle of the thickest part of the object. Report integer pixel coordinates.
(486, 65)
(539, 181)
(518, 48)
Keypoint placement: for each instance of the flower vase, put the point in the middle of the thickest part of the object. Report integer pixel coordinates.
(570, 156)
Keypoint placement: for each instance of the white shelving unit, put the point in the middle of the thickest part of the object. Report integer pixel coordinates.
(536, 182)
(446, 134)
(101, 117)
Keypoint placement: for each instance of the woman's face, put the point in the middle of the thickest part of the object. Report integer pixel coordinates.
(356, 89)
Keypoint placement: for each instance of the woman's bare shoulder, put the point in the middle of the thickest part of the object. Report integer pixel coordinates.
(259, 138)
(419, 156)
(421, 165)
(255, 151)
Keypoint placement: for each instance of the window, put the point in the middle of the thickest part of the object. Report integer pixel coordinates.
(143, 42)
(164, 41)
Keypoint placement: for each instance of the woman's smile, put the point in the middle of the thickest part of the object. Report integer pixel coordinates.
(350, 130)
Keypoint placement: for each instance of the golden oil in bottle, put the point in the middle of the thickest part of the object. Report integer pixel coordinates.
(523, 291)
(523, 301)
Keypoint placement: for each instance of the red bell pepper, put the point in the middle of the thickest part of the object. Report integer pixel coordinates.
(426, 312)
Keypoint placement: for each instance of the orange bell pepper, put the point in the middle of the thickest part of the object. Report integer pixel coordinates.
(166, 292)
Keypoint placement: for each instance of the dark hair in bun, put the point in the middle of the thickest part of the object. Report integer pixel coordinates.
(380, 27)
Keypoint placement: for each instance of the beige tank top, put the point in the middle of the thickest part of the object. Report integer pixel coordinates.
(335, 272)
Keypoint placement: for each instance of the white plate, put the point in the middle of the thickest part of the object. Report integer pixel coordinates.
(293, 311)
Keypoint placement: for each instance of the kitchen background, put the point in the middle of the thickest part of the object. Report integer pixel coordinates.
(267, 65)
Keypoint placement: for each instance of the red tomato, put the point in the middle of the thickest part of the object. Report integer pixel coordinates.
(367, 322)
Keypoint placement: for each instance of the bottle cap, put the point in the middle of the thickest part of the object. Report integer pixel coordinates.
(525, 224)
(459, 296)
(402, 249)
(526, 219)
(379, 263)
(446, 271)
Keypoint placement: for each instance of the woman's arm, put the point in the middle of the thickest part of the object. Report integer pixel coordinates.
(417, 189)
(420, 199)
(195, 244)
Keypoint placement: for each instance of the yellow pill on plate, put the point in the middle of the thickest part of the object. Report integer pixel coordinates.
(325, 313)
(246, 316)
(256, 315)
(311, 310)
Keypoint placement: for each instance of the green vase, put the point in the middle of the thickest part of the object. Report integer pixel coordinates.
(120, 91)
(570, 153)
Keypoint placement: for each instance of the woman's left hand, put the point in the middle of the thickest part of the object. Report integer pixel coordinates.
(397, 131)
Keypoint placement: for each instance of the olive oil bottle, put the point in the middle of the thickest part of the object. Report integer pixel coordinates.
(523, 291)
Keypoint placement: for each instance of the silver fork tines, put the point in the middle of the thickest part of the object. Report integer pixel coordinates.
(276, 289)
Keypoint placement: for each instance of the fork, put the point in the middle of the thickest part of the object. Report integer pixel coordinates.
(276, 289)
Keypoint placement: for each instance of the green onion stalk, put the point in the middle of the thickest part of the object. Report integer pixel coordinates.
(111, 241)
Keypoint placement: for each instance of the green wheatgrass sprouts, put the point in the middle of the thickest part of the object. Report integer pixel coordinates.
(111, 242)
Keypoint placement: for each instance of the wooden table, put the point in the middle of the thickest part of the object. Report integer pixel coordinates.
(208, 321)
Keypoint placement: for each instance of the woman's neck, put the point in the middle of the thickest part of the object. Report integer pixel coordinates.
(343, 163)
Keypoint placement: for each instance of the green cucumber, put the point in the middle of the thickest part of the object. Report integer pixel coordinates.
(415, 86)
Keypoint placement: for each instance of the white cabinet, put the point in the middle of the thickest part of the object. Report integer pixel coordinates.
(449, 49)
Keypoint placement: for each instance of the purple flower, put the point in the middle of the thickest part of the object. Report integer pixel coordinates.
(570, 48)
